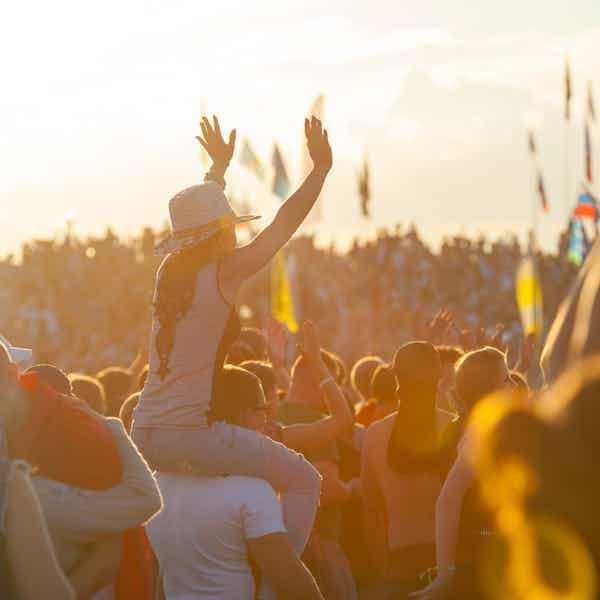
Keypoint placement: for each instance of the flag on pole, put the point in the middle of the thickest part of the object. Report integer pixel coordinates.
(587, 207)
(568, 91)
(282, 304)
(591, 108)
(281, 181)
(529, 297)
(541, 190)
(364, 189)
(588, 154)
(250, 160)
(542, 193)
(531, 143)
(578, 245)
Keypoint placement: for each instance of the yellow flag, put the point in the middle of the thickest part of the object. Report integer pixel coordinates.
(529, 297)
(282, 304)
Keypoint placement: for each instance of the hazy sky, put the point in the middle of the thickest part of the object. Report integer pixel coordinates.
(100, 103)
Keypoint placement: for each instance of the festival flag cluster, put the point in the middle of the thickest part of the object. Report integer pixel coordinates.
(529, 297)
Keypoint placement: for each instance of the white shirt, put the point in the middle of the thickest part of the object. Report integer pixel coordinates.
(200, 536)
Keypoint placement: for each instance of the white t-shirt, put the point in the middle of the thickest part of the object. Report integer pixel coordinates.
(200, 536)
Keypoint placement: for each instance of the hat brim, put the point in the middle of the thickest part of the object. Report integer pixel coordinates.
(172, 244)
(17, 355)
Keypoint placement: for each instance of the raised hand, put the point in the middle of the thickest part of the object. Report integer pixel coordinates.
(311, 345)
(318, 144)
(276, 342)
(212, 141)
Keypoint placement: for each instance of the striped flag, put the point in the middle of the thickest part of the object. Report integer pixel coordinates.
(587, 207)
(282, 303)
(588, 154)
(529, 297)
(281, 181)
(568, 91)
(250, 160)
(591, 108)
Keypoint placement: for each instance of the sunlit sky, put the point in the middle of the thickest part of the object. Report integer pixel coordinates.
(100, 103)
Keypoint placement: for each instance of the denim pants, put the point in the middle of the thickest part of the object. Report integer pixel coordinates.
(224, 449)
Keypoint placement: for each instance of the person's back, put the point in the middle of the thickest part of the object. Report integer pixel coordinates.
(407, 499)
(180, 396)
(201, 538)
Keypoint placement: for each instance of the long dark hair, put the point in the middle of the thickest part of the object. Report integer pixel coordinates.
(175, 292)
(415, 443)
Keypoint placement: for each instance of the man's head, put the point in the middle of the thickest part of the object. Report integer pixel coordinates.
(304, 387)
(478, 374)
(127, 408)
(239, 399)
(254, 338)
(239, 352)
(264, 371)
(362, 373)
(90, 390)
(9, 386)
(383, 385)
(417, 369)
(54, 377)
(116, 382)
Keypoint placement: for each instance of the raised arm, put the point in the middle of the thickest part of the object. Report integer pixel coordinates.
(306, 436)
(248, 259)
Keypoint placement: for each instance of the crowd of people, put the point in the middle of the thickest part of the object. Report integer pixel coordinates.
(405, 449)
(396, 282)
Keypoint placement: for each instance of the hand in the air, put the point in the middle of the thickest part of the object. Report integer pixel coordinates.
(212, 141)
(318, 144)
(311, 345)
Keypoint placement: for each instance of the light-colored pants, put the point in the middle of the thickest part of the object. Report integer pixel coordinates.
(224, 449)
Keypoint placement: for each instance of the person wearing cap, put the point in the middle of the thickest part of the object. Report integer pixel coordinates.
(195, 322)
(17, 355)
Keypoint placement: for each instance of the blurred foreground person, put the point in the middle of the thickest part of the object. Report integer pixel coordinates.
(195, 322)
(538, 469)
(29, 569)
(91, 482)
(213, 530)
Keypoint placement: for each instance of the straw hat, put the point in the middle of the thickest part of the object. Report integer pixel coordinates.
(197, 213)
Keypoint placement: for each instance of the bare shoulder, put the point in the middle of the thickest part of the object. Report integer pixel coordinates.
(380, 429)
